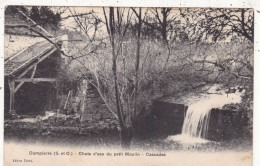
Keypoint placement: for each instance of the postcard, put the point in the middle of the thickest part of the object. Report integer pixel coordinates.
(128, 85)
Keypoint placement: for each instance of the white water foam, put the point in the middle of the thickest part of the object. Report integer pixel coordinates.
(196, 122)
(186, 139)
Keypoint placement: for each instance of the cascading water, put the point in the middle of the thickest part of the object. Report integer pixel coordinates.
(196, 121)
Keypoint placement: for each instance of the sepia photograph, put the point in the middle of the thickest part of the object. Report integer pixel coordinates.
(163, 84)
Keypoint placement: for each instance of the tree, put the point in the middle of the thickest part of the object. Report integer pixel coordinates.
(163, 21)
(139, 16)
(121, 77)
(126, 129)
(215, 24)
(223, 44)
(45, 16)
(15, 9)
(167, 22)
(112, 78)
(35, 14)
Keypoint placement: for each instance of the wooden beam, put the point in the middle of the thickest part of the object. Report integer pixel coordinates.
(35, 79)
(33, 73)
(18, 86)
(28, 18)
(12, 93)
(21, 83)
(65, 105)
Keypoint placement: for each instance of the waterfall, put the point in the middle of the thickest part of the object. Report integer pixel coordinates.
(197, 117)
(196, 120)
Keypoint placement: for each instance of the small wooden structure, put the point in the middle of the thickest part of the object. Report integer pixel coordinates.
(27, 66)
(32, 63)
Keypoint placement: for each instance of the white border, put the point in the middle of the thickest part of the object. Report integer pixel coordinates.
(147, 3)
(138, 3)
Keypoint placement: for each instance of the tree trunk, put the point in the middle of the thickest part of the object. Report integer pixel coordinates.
(137, 61)
(164, 24)
(126, 135)
(126, 132)
(114, 67)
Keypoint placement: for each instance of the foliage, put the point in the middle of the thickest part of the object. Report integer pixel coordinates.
(45, 16)
(15, 9)
(68, 80)
(215, 24)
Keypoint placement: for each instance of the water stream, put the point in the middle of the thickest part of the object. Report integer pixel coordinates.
(196, 121)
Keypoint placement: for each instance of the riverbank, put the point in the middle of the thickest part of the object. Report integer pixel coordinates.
(70, 137)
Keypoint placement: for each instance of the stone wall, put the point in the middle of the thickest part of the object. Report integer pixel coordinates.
(162, 119)
(88, 103)
(172, 114)
(226, 124)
